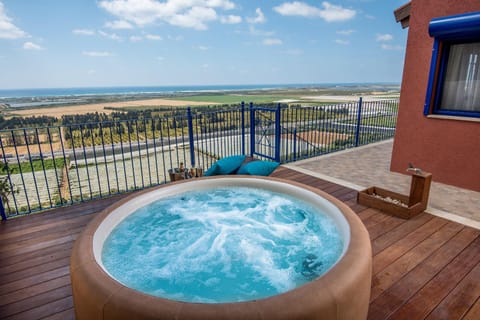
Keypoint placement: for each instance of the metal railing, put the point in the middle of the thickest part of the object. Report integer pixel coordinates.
(48, 167)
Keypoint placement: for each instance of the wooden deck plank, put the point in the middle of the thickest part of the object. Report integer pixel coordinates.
(35, 262)
(34, 280)
(45, 310)
(474, 312)
(68, 314)
(43, 241)
(36, 301)
(428, 297)
(45, 267)
(367, 213)
(384, 227)
(399, 232)
(423, 266)
(382, 280)
(399, 294)
(21, 294)
(460, 299)
(46, 242)
(34, 232)
(33, 255)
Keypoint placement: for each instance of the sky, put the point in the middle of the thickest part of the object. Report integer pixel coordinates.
(91, 43)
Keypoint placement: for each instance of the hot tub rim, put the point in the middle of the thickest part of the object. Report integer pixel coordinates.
(327, 287)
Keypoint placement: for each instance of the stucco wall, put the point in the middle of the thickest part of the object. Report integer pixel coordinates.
(449, 149)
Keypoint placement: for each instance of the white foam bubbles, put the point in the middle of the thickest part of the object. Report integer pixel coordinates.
(227, 244)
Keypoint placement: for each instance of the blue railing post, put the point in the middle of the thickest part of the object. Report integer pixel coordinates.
(278, 133)
(190, 136)
(2, 210)
(359, 119)
(243, 127)
(252, 130)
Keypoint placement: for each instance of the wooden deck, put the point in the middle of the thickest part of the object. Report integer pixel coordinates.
(424, 268)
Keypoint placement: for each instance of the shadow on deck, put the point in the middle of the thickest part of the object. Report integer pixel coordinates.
(426, 267)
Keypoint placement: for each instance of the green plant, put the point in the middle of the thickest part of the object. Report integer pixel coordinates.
(5, 187)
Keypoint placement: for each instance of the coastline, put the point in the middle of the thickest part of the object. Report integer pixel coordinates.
(58, 105)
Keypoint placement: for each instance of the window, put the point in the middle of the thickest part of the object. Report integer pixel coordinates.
(454, 83)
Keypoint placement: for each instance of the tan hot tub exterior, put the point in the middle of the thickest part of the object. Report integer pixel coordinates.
(342, 293)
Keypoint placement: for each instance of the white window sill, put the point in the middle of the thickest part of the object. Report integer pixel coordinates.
(443, 117)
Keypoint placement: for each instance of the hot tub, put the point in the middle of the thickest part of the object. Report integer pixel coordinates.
(341, 293)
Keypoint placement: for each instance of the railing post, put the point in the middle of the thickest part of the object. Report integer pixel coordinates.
(190, 136)
(278, 133)
(294, 144)
(359, 119)
(252, 130)
(243, 127)
(2, 210)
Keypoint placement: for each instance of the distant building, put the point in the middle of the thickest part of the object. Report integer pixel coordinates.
(438, 126)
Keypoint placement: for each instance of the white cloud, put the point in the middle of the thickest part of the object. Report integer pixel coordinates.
(31, 46)
(83, 32)
(328, 12)
(97, 53)
(391, 47)
(91, 71)
(272, 42)
(345, 32)
(183, 13)
(118, 24)
(111, 36)
(259, 17)
(230, 19)
(160, 58)
(135, 38)
(205, 66)
(7, 29)
(342, 42)
(384, 37)
(153, 37)
(257, 32)
(195, 18)
(175, 38)
(202, 48)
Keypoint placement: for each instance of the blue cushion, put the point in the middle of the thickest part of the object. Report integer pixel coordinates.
(225, 165)
(212, 171)
(230, 164)
(258, 168)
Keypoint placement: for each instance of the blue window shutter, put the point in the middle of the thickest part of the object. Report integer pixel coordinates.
(456, 28)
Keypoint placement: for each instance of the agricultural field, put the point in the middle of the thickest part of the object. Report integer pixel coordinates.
(304, 97)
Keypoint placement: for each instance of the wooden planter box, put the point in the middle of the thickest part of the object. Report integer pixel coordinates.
(414, 204)
(176, 175)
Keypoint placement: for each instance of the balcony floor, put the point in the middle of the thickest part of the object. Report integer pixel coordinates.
(425, 267)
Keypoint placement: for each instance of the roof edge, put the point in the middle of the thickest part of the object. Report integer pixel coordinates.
(402, 14)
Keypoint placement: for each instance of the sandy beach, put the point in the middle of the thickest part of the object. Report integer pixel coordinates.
(58, 111)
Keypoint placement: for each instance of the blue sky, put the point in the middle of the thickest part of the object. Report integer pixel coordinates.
(83, 43)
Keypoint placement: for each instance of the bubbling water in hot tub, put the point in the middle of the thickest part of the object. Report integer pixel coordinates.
(224, 244)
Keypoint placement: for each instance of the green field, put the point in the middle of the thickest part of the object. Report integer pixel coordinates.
(35, 165)
(236, 98)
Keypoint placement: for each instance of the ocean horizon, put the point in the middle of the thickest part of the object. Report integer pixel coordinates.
(6, 94)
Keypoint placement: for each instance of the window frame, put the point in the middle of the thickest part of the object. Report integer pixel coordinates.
(447, 31)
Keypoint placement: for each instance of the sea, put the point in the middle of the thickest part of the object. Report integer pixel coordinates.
(39, 96)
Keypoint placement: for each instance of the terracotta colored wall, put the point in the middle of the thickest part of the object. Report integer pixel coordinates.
(449, 149)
